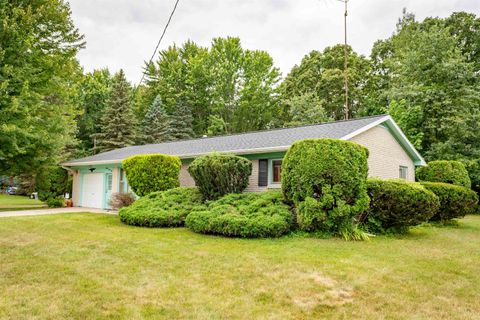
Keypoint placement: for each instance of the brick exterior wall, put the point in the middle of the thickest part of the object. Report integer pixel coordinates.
(115, 180)
(386, 154)
(76, 187)
(185, 178)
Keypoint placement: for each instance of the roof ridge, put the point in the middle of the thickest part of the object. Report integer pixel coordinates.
(259, 131)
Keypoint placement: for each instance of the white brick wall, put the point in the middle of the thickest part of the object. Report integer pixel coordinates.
(386, 154)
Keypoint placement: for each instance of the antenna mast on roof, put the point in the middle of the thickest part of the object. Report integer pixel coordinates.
(345, 71)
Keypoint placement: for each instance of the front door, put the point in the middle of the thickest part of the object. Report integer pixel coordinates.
(108, 189)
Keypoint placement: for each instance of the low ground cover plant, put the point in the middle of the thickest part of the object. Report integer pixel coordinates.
(326, 181)
(446, 171)
(216, 174)
(152, 172)
(396, 205)
(246, 215)
(163, 209)
(455, 201)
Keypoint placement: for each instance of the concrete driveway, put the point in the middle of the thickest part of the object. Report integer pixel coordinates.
(38, 212)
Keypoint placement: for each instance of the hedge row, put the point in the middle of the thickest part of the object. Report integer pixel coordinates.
(455, 201)
(324, 180)
(396, 205)
(249, 215)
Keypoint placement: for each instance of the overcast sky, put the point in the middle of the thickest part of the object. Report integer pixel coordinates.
(123, 33)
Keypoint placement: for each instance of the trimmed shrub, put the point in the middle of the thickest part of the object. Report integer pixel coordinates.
(455, 201)
(162, 209)
(326, 180)
(246, 215)
(396, 205)
(121, 199)
(216, 175)
(473, 168)
(57, 202)
(152, 172)
(446, 171)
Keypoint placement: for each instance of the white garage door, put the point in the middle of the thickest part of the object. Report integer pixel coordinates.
(92, 190)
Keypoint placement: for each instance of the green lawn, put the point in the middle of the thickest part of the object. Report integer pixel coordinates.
(8, 202)
(90, 266)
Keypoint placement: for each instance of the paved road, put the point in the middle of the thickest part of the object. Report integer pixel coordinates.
(38, 212)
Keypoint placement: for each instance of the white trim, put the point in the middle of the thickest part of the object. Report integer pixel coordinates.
(389, 120)
(365, 128)
(271, 184)
(422, 161)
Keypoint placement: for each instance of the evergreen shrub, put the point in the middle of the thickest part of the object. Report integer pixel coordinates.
(52, 183)
(216, 175)
(152, 172)
(446, 171)
(455, 201)
(246, 215)
(162, 209)
(396, 205)
(326, 181)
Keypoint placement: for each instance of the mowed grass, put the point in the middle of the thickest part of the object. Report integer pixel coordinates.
(13, 202)
(90, 266)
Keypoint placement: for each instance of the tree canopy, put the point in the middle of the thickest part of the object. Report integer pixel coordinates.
(38, 80)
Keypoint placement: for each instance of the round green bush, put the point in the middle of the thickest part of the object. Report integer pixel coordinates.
(246, 215)
(216, 175)
(162, 209)
(326, 181)
(396, 205)
(446, 171)
(455, 201)
(152, 172)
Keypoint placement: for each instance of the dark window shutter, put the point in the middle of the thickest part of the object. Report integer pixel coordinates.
(262, 172)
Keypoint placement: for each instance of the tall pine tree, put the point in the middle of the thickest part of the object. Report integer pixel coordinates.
(182, 122)
(156, 124)
(118, 121)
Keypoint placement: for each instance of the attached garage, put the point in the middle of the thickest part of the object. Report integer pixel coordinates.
(92, 195)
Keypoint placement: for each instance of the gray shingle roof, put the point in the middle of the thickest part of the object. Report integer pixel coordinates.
(238, 143)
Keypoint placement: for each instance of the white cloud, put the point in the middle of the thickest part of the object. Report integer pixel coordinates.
(123, 33)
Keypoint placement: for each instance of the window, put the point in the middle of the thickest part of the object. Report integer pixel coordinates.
(109, 181)
(276, 171)
(403, 172)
